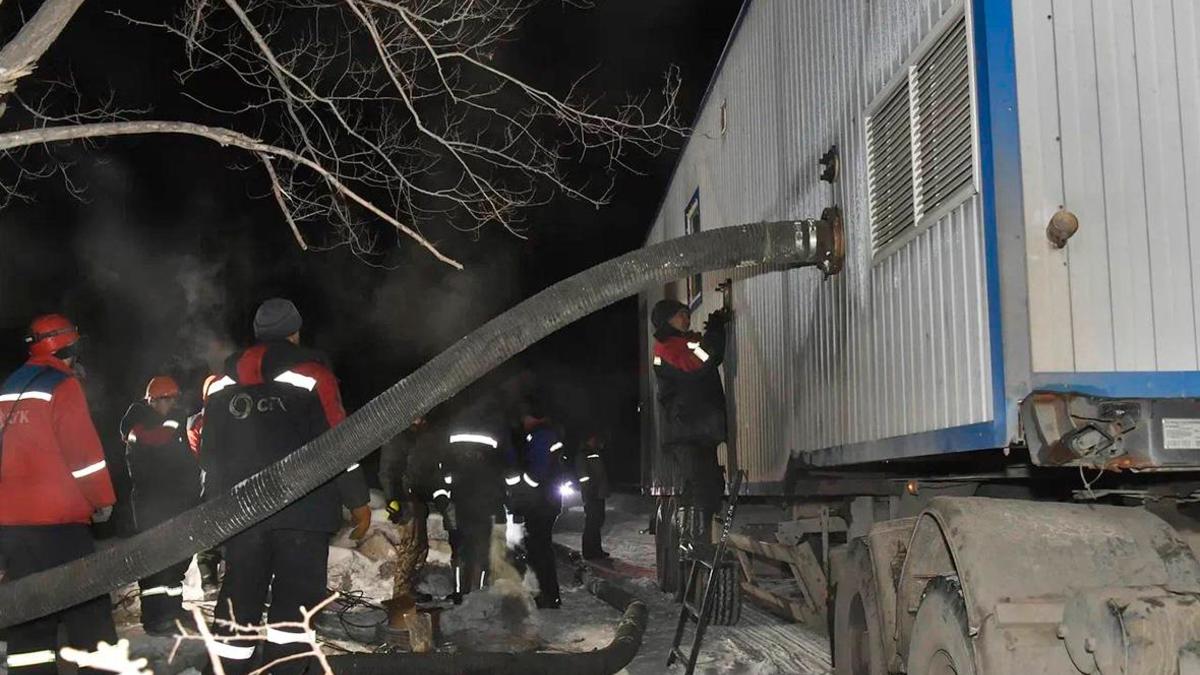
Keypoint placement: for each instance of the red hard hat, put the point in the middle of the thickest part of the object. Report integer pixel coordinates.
(208, 382)
(161, 386)
(49, 333)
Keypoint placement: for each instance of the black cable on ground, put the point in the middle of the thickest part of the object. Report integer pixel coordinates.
(798, 243)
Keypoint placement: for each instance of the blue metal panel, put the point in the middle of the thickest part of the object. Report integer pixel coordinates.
(982, 436)
(1147, 384)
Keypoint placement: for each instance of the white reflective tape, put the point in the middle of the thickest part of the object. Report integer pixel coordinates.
(88, 470)
(31, 658)
(658, 361)
(448, 480)
(482, 578)
(171, 424)
(474, 438)
(164, 590)
(556, 447)
(295, 379)
(529, 480)
(287, 637)
(585, 479)
(593, 456)
(457, 579)
(227, 651)
(39, 395)
(352, 467)
(221, 384)
(512, 480)
(700, 353)
(441, 493)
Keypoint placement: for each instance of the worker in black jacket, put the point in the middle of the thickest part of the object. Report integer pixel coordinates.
(275, 397)
(593, 488)
(471, 494)
(692, 402)
(165, 476)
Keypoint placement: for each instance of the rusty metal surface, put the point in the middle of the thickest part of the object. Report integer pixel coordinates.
(1137, 434)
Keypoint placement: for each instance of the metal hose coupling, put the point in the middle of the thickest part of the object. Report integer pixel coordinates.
(822, 242)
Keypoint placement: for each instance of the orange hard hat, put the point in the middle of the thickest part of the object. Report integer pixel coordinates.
(49, 333)
(208, 382)
(161, 386)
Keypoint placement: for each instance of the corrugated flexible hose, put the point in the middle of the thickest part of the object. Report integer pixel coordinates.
(776, 244)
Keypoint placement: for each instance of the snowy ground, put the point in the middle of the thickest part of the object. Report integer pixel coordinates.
(760, 643)
(503, 617)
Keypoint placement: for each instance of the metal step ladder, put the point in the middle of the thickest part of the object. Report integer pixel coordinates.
(702, 556)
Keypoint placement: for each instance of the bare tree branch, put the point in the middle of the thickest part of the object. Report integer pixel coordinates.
(398, 107)
(21, 54)
(224, 137)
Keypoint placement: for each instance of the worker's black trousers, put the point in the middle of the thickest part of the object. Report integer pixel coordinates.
(292, 565)
(539, 547)
(470, 545)
(29, 549)
(162, 597)
(593, 522)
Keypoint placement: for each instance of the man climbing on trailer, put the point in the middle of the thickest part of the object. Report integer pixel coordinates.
(166, 482)
(692, 401)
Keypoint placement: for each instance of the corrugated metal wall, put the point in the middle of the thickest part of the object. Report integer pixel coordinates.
(895, 347)
(1109, 110)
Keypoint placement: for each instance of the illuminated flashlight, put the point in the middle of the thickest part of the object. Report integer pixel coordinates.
(566, 490)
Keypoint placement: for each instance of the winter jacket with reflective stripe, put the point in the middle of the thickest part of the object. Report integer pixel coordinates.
(690, 394)
(274, 398)
(162, 469)
(52, 468)
(591, 472)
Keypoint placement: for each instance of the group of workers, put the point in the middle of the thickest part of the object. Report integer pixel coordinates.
(479, 467)
(488, 466)
(272, 398)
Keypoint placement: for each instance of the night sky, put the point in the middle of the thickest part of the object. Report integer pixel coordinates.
(166, 253)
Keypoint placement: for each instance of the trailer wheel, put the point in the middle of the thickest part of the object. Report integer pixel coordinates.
(666, 546)
(727, 598)
(939, 644)
(857, 643)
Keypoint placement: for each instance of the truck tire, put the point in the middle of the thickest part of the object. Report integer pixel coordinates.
(666, 547)
(940, 644)
(727, 596)
(857, 642)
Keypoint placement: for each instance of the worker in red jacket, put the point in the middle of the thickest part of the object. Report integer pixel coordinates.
(209, 562)
(165, 477)
(53, 483)
(275, 397)
(692, 402)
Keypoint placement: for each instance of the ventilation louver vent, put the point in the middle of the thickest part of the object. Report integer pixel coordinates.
(942, 95)
(920, 141)
(889, 169)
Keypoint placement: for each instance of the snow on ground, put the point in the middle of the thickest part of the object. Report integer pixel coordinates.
(760, 644)
(503, 618)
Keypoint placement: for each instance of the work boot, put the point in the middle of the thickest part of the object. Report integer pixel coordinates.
(544, 602)
(455, 597)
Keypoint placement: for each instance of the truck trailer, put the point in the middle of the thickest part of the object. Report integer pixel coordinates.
(982, 434)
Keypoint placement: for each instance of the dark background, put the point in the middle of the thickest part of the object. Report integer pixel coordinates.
(163, 257)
